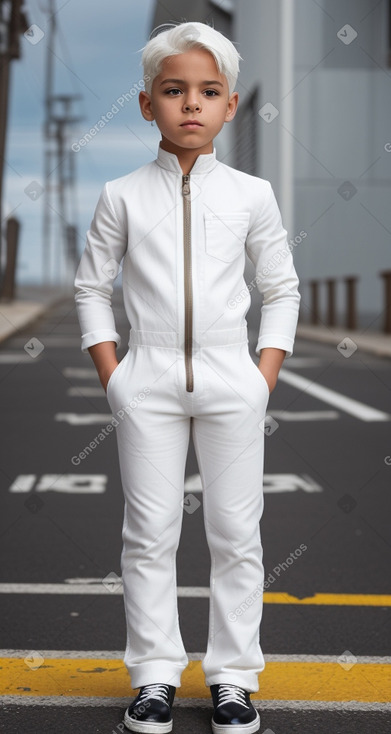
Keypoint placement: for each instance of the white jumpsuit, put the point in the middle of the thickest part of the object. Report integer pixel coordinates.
(183, 241)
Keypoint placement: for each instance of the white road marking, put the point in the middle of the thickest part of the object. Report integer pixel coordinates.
(272, 483)
(193, 483)
(113, 654)
(192, 703)
(80, 373)
(96, 483)
(342, 402)
(195, 591)
(323, 705)
(68, 589)
(95, 586)
(16, 358)
(302, 362)
(23, 483)
(83, 580)
(359, 410)
(51, 340)
(85, 391)
(305, 415)
(85, 419)
(69, 483)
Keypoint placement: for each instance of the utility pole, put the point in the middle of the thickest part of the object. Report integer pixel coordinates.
(13, 22)
(59, 210)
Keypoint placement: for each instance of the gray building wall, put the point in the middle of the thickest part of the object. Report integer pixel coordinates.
(327, 152)
(342, 109)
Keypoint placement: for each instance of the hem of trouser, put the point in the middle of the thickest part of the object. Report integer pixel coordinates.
(249, 682)
(146, 673)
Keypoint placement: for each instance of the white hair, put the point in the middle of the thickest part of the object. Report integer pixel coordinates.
(181, 37)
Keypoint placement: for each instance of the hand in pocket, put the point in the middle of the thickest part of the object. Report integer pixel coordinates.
(105, 377)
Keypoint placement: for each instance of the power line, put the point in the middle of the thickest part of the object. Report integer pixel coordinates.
(13, 23)
(59, 213)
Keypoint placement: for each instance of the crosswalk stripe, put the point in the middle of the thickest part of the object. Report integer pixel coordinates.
(287, 681)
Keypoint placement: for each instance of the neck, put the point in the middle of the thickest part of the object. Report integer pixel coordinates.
(186, 156)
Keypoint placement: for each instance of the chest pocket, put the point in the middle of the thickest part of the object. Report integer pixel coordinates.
(225, 234)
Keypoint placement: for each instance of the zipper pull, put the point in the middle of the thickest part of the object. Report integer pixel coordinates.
(186, 184)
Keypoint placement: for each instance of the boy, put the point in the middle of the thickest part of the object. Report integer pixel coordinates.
(182, 225)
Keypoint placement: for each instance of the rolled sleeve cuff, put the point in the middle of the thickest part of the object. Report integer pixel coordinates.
(277, 342)
(96, 337)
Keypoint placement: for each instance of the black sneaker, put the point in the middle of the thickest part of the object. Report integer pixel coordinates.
(150, 712)
(233, 710)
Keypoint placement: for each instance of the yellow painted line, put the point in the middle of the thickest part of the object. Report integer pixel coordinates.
(287, 681)
(360, 600)
(192, 592)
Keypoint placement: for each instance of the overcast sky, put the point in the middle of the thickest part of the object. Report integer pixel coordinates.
(96, 54)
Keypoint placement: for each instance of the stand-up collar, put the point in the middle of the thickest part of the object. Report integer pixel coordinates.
(203, 163)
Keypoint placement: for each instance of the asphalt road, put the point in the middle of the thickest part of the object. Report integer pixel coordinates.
(327, 487)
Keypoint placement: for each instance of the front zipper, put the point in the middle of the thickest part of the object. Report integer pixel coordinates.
(187, 281)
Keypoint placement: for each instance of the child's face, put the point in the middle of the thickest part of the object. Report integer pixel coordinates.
(172, 103)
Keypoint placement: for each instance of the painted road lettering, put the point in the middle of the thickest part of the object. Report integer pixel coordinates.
(96, 483)
(272, 483)
(68, 483)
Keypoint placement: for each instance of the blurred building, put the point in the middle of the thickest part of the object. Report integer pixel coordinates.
(313, 118)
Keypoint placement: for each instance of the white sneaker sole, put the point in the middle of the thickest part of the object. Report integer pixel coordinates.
(147, 727)
(249, 728)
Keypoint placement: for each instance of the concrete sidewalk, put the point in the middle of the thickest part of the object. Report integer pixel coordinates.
(31, 303)
(374, 342)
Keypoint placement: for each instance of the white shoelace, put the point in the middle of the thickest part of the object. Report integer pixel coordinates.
(229, 692)
(155, 690)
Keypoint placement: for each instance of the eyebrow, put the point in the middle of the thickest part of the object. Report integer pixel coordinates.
(181, 81)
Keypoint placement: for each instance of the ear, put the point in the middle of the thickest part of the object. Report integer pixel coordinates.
(232, 106)
(145, 106)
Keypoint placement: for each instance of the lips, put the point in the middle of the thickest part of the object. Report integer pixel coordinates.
(192, 123)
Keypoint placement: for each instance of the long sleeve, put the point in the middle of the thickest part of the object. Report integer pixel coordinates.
(98, 268)
(276, 278)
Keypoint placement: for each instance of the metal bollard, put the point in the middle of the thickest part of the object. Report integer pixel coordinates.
(351, 320)
(330, 282)
(314, 301)
(8, 285)
(386, 274)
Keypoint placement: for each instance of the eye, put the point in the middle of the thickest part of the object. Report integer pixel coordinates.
(173, 92)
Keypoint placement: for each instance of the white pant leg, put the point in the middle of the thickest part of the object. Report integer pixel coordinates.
(228, 403)
(153, 440)
(230, 450)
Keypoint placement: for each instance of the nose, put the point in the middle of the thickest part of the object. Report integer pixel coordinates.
(192, 104)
